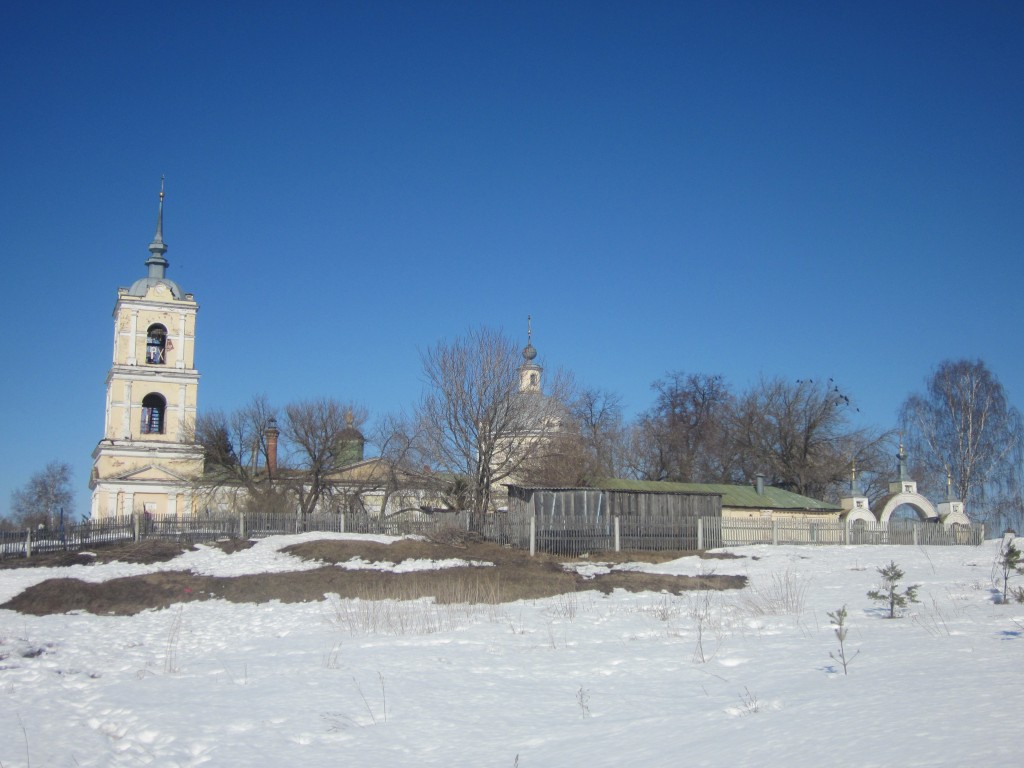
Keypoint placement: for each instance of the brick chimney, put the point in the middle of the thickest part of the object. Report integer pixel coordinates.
(271, 433)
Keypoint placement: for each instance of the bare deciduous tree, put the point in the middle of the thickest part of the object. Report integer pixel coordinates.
(564, 460)
(964, 427)
(799, 435)
(397, 480)
(682, 438)
(476, 423)
(41, 500)
(235, 452)
(597, 417)
(315, 440)
(315, 436)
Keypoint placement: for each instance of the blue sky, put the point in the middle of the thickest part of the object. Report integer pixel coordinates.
(793, 189)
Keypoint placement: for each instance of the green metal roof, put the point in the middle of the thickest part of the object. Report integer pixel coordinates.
(741, 496)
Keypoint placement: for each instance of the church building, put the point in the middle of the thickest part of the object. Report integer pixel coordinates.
(147, 460)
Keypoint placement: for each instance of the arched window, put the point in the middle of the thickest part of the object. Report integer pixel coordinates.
(153, 408)
(156, 345)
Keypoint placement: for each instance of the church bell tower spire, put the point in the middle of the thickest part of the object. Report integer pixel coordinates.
(156, 262)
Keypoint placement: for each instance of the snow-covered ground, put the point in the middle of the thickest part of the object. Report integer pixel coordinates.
(720, 679)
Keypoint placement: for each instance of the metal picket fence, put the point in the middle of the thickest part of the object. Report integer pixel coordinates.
(70, 537)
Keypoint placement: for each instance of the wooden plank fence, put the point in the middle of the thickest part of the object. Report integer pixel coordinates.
(783, 531)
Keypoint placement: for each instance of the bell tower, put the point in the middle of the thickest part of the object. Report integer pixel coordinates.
(147, 459)
(529, 371)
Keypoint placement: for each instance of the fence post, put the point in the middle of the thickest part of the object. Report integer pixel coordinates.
(533, 535)
(137, 525)
(775, 532)
(700, 533)
(618, 540)
(241, 525)
(846, 533)
(28, 543)
(341, 522)
(915, 534)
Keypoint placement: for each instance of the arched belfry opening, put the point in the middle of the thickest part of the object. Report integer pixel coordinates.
(156, 344)
(154, 409)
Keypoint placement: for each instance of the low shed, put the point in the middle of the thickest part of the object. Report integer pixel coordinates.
(740, 502)
(584, 519)
(595, 502)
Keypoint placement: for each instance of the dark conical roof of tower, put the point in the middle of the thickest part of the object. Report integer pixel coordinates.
(157, 262)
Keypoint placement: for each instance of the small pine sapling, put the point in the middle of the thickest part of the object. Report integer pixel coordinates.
(838, 619)
(1010, 564)
(890, 592)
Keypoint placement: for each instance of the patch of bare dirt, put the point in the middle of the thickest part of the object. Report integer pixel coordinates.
(48, 560)
(149, 551)
(343, 550)
(230, 546)
(514, 576)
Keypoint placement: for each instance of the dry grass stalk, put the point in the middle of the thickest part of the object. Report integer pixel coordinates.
(784, 594)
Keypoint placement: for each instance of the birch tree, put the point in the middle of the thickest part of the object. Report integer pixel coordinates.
(42, 499)
(964, 428)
